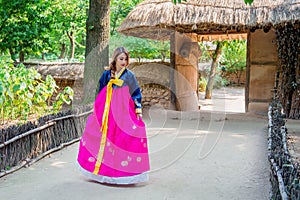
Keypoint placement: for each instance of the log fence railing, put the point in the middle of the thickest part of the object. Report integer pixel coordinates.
(24, 145)
(284, 175)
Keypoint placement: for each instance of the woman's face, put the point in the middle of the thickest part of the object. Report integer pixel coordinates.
(121, 61)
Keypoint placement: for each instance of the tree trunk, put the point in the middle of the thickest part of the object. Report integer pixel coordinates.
(21, 57)
(43, 55)
(97, 41)
(72, 42)
(62, 51)
(288, 39)
(238, 76)
(212, 73)
(12, 55)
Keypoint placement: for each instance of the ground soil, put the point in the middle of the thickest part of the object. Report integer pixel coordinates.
(215, 153)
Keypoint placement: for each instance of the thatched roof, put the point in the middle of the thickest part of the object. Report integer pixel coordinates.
(156, 19)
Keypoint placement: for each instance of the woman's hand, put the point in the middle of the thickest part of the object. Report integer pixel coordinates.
(139, 116)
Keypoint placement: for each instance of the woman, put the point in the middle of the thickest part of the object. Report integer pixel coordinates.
(113, 148)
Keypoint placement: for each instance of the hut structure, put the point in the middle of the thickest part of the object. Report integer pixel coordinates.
(193, 21)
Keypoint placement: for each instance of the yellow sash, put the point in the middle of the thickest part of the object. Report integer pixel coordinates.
(117, 82)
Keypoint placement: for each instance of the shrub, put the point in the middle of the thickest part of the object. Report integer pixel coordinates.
(24, 93)
(202, 84)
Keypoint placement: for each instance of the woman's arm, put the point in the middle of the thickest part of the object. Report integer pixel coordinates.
(136, 93)
(104, 79)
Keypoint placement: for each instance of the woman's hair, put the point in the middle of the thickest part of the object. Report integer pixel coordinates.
(116, 53)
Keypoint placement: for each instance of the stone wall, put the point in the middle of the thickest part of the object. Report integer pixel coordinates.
(154, 94)
(232, 78)
(154, 81)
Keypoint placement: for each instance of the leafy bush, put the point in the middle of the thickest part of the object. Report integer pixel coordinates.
(220, 82)
(202, 84)
(23, 92)
(233, 58)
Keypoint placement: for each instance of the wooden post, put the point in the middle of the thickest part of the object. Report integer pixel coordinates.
(247, 72)
(187, 53)
(172, 71)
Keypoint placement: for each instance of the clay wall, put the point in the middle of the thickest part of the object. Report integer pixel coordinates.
(261, 69)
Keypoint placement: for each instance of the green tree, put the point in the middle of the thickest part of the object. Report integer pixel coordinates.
(119, 9)
(206, 51)
(233, 58)
(68, 25)
(23, 92)
(24, 25)
(213, 69)
(141, 48)
(35, 27)
(161, 49)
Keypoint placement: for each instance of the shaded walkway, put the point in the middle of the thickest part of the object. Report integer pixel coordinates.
(228, 99)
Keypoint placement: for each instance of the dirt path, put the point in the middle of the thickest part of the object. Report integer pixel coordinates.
(196, 155)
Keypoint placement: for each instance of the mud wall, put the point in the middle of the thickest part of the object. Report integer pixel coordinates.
(261, 69)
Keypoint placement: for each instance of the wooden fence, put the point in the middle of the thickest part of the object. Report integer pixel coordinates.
(23, 145)
(284, 175)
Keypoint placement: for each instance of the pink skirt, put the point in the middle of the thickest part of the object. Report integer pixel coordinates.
(125, 157)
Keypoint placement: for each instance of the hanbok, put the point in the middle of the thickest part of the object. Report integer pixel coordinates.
(113, 148)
